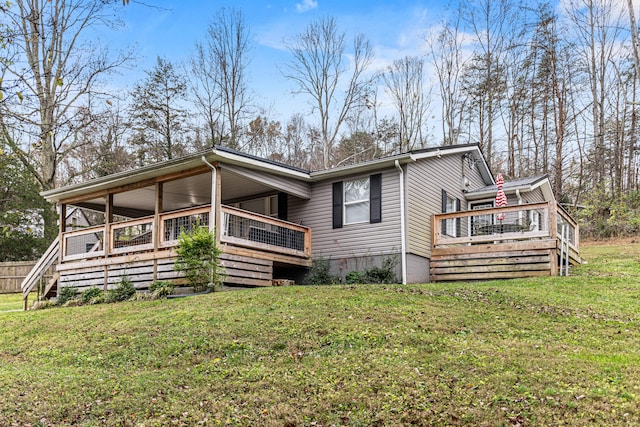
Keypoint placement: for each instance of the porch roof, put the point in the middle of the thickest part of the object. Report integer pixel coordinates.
(513, 185)
(175, 166)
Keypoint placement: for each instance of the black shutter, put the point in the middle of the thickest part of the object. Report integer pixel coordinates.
(283, 206)
(458, 220)
(443, 223)
(337, 204)
(375, 198)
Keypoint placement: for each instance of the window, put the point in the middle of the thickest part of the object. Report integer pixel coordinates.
(357, 201)
(450, 227)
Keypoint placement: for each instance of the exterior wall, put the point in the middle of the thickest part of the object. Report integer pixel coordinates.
(534, 196)
(340, 267)
(425, 181)
(417, 269)
(352, 240)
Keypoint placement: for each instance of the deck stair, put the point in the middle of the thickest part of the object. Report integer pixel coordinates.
(39, 270)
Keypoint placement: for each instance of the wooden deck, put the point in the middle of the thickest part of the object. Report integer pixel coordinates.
(531, 240)
(143, 249)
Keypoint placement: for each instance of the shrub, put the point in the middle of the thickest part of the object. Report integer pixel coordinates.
(122, 292)
(161, 289)
(89, 295)
(66, 294)
(319, 273)
(40, 305)
(355, 277)
(386, 273)
(199, 258)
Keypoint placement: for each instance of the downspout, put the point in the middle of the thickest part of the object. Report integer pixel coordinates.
(519, 203)
(214, 198)
(403, 236)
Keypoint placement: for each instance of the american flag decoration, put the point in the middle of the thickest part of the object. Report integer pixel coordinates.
(501, 198)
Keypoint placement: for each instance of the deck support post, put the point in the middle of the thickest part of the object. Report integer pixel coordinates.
(216, 199)
(62, 228)
(108, 219)
(156, 226)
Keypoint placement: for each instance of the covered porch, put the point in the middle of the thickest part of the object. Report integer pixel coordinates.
(536, 239)
(139, 216)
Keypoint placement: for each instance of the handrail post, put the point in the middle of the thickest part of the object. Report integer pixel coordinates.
(434, 236)
(155, 234)
(108, 219)
(553, 220)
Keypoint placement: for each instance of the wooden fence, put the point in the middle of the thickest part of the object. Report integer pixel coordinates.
(12, 274)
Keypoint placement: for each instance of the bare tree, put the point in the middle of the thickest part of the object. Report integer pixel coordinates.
(296, 153)
(597, 24)
(219, 68)
(445, 51)
(319, 68)
(404, 82)
(485, 75)
(107, 150)
(54, 68)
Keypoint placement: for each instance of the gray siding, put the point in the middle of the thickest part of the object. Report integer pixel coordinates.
(417, 269)
(353, 240)
(425, 181)
(534, 196)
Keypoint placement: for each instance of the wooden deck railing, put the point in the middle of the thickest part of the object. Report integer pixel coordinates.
(83, 244)
(243, 228)
(513, 223)
(239, 227)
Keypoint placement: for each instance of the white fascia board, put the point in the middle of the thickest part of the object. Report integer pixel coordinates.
(371, 165)
(164, 168)
(251, 163)
(544, 183)
(122, 178)
(546, 188)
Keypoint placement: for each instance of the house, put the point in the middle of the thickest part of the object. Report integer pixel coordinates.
(431, 210)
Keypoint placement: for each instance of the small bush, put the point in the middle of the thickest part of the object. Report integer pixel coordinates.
(74, 302)
(161, 289)
(199, 258)
(355, 278)
(88, 295)
(66, 294)
(41, 305)
(123, 292)
(319, 273)
(386, 273)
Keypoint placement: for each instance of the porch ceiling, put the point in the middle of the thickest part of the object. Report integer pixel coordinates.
(179, 194)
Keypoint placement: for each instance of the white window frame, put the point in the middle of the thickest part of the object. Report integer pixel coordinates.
(451, 224)
(365, 201)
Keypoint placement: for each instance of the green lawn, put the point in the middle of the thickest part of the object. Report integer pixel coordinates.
(11, 302)
(555, 351)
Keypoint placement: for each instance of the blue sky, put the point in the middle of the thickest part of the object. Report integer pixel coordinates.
(171, 28)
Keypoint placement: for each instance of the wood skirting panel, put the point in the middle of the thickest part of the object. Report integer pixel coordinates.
(497, 261)
(247, 271)
(240, 270)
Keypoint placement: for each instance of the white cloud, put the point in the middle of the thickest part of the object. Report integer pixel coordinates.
(306, 5)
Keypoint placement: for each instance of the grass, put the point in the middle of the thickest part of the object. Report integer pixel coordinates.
(12, 302)
(556, 351)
